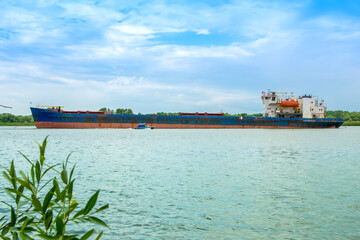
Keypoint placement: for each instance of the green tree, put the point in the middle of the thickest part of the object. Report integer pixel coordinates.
(35, 214)
(104, 109)
(346, 115)
(124, 111)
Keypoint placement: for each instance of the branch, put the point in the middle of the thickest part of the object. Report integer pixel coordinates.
(17, 217)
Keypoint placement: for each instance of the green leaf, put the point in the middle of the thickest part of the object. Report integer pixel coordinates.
(26, 158)
(87, 235)
(24, 235)
(38, 171)
(40, 230)
(57, 188)
(47, 199)
(13, 174)
(72, 207)
(22, 203)
(18, 196)
(81, 212)
(91, 203)
(102, 208)
(45, 185)
(36, 203)
(49, 169)
(48, 219)
(16, 192)
(59, 225)
(63, 195)
(33, 174)
(47, 237)
(42, 150)
(42, 159)
(6, 176)
(25, 223)
(22, 219)
(6, 203)
(70, 237)
(64, 176)
(15, 236)
(70, 190)
(71, 173)
(5, 231)
(26, 179)
(67, 159)
(24, 183)
(99, 236)
(12, 169)
(9, 194)
(97, 221)
(13, 218)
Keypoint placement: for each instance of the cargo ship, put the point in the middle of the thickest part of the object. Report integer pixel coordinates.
(280, 110)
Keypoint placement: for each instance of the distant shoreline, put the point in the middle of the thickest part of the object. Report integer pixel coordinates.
(18, 124)
(352, 123)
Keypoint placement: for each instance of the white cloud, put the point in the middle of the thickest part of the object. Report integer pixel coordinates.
(75, 93)
(27, 26)
(335, 27)
(203, 32)
(132, 29)
(165, 52)
(89, 50)
(345, 36)
(97, 15)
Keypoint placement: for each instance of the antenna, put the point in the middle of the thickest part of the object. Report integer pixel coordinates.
(5, 106)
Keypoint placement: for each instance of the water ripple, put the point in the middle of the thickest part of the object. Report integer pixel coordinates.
(210, 184)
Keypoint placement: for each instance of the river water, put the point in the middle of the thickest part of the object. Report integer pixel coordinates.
(209, 184)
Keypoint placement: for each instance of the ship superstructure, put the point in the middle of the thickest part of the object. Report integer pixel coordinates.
(286, 105)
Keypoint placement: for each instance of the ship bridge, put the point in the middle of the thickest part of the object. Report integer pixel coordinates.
(286, 105)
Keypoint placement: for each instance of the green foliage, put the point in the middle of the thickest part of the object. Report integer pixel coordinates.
(164, 113)
(347, 116)
(354, 123)
(9, 118)
(119, 111)
(124, 111)
(36, 214)
(104, 109)
(243, 115)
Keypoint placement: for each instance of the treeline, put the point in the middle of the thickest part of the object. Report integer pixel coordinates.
(126, 111)
(346, 115)
(119, 111)
(161, 113)
(243, 115)
(9, 118)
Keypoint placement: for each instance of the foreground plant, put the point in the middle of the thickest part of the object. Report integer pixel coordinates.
(38, 213)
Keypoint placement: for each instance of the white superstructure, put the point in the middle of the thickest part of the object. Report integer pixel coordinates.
(284, 104)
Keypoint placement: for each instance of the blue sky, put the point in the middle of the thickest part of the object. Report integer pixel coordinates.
(177, 56)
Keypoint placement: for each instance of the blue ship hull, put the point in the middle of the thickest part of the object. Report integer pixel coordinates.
(51, 118)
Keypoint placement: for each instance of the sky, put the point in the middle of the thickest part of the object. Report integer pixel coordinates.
(177, 56)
